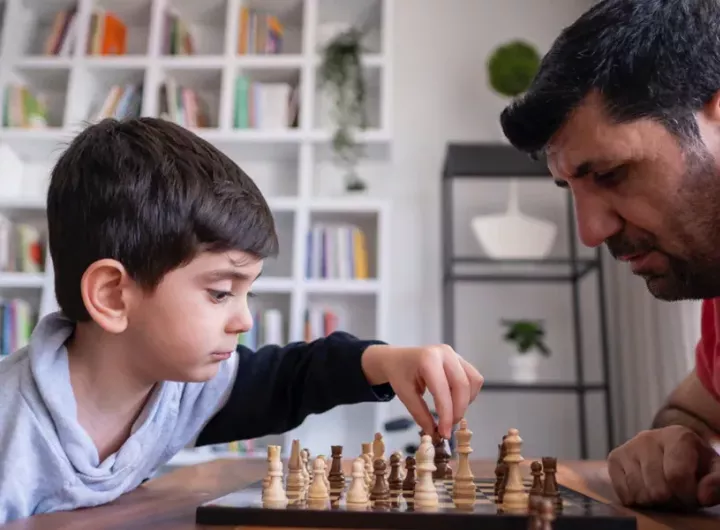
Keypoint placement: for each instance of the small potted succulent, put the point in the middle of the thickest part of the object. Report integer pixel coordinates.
(528, 340)
(343, 84)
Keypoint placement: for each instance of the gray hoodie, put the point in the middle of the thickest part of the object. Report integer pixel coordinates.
(49, 463)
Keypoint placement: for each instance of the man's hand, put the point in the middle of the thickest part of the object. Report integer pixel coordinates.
(451, 380)
(667, 466)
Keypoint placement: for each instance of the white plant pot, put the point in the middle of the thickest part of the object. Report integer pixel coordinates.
(513, 234)
(525, 367)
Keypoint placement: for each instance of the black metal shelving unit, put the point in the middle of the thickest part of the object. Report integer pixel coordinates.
(486, 161)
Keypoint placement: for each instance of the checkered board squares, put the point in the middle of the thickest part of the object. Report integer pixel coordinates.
(245, 507)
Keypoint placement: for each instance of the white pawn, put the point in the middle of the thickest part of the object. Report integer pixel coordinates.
(357, 494)
(426, 496)
(318, 490)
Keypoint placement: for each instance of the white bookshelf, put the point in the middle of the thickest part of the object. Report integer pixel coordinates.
(293, 165)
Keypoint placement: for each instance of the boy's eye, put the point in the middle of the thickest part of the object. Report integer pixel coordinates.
(219, 296)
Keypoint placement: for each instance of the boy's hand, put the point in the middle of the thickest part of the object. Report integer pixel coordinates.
(451, 380)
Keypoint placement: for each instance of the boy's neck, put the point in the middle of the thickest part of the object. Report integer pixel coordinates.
(109, 389)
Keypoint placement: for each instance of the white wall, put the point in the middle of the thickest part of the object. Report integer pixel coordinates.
(441, 95)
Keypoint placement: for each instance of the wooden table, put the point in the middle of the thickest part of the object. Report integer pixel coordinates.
(169, 502)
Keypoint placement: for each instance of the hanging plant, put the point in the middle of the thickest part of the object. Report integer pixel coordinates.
(512, 67)
(341, 78)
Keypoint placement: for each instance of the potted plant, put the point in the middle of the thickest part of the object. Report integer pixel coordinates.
(528, 340)
(342, 82)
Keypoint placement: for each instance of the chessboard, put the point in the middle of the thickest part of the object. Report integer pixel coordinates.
(245, 507)
(424, 492)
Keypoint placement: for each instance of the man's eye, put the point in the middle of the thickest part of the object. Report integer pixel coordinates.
(609, 177)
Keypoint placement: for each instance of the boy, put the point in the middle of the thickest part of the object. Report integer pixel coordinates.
(156, 238)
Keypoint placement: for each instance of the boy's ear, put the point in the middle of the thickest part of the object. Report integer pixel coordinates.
(106, 290)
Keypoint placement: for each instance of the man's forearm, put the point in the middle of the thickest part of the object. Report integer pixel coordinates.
(669, 415)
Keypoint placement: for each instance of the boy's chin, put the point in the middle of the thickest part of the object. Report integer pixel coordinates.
(200, 374)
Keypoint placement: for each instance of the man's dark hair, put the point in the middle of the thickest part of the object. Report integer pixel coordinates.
(151, 195)
(657, 59)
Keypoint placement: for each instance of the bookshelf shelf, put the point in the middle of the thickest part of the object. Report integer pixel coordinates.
(21, 280)
(183, 60)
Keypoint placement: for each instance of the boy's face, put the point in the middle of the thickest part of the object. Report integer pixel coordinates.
(191, 321)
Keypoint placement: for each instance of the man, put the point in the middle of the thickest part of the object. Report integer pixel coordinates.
(626, 108)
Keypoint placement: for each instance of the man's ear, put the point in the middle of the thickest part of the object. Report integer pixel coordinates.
(711, 110)
(106, 291)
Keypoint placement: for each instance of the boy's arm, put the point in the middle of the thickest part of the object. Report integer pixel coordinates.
(276, 388)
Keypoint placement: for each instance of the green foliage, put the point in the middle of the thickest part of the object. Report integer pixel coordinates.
(512, 67)
(526, 335)
(341, 76)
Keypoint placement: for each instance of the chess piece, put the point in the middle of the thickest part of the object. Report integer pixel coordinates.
(274, 492)
(500, 468)
(266, 478)
(546, 515)
(464, 485)
(357, 494)
(395, 481)
(501, 480)
(304, 457)
(442, 458)
(534, 512)
(380, 492)
(296, 478)
(336, 477)
(550, 489)
(536, 490)
(425, 495)
(368, 470)
(378, 447)
(514, 496)
(367, 449)
(318, 490)
(409, 480)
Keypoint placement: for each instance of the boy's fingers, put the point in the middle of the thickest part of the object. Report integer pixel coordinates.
(459, 386)
(433, 373)
(475, 379)
(417, 407)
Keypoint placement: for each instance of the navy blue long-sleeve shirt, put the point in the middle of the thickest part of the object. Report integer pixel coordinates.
(276, 387)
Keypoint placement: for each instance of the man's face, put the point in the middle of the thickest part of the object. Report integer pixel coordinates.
(653, 202)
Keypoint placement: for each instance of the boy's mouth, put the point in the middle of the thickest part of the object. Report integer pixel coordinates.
(221, 355)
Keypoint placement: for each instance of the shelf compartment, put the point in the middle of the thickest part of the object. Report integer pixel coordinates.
(48, 87)
(190, 27)
(119, 27)
(342, 246)
(353, 313)
(265, 98)
(195, 89)
(275, 173)
(107, 93)
(271, 322)
(268, 16)
(33, 28)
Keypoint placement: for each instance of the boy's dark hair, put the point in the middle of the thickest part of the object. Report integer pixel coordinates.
(657, 59)
(151, 195)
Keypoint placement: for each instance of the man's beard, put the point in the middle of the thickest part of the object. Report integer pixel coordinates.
(692, 273)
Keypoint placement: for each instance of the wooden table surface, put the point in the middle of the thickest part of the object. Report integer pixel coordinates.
(169, 501)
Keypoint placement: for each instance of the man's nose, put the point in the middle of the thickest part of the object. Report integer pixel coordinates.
(596, 219)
